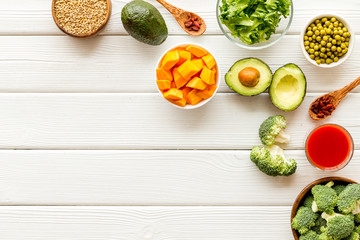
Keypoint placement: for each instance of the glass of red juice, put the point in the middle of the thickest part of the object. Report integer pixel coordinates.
(329, 147)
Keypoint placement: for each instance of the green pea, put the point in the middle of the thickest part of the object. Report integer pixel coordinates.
(322, 61)
(322, 55)
(337, 37)
(318, 38)
(312, 25)
(339, 49)
(328, 45)
(306, 38)
(341, 32)
(333, 41)
(322, 32)
(329, 53)
(333, 48)
(317, 53)
(333, 19)
(311, 50)
(324, 19)
(345, 29)
(336, 59)
(325, 38)
(317, 21)
(306, 43)
(310, 39)
(328, 61)
(343, 45)
(347, 44)
(312, 56)
(323, 50)
(318, 61)
(312, 45)
(317, 32)
(341, 24)
(323, 43)
(316, 47)
(327, 23)
(328, 31)
(336, 24)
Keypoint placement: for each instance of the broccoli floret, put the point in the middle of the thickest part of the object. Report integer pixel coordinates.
(271, 160)
(357, 218)
(319, 223)
(357, 229)
(324, 198)
(324, 236)
(308, 201)
(338, 225)
(339, 188)
(304, 220)
(349, 199)
(272, 130)
(353, 236)
(310, 235)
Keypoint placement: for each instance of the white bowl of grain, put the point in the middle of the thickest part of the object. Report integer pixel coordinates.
(82, 19)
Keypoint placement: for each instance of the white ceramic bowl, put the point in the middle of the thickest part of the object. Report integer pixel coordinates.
(343, 58)
(203, 102)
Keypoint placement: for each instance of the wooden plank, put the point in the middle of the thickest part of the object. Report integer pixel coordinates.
(33, 17)
(150, 178)
(147, 121)
(120, 64)
(155, 223)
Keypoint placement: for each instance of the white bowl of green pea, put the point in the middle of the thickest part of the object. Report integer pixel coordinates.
(327, 40)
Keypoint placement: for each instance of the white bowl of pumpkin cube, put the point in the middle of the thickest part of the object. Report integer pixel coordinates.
(187, 76)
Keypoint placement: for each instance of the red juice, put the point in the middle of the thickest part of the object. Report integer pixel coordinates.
(329, 147)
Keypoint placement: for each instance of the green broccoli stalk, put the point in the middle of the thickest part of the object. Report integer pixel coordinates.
(338, 225)
(324, 198)
(310, 235)
(304, 220)
(272, 130)
(353, 236)
(271, 160)
(349, 199)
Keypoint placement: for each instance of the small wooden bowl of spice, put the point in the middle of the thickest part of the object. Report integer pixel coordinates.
(81, 18)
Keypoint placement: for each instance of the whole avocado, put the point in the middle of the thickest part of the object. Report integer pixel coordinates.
(144, 22)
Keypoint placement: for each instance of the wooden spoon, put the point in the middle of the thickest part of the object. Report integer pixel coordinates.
(335, 97)
(182, 16)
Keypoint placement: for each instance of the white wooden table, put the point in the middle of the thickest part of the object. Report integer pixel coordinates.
(89, 150)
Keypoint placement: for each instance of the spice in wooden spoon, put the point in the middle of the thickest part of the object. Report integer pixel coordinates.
(324, 105)
(184, 18)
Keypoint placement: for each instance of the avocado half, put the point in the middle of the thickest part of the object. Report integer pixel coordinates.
(144, 22)
(264, 81)
(288, 88)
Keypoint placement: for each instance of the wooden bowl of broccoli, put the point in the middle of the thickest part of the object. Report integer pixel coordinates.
(327, 208)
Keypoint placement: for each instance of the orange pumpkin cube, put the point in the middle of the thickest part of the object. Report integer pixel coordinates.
(170, 59)
(173, 84)
(209, 61)
(207, 76)
(163, 84)
(197, 51)
(193, 99)
(197, 83)
(163, 74)
(188, 69)
(199, 63)
(207, 92)
(184, 56)
(179, 80)
(185, 92)
(181, 102)
(173, 94)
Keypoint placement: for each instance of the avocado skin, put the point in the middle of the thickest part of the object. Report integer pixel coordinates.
(291, 65)
(144, 22)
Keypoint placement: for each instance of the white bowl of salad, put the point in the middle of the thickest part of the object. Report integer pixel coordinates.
(254, 26)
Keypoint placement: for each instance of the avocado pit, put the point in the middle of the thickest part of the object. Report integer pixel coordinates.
(249, 76)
